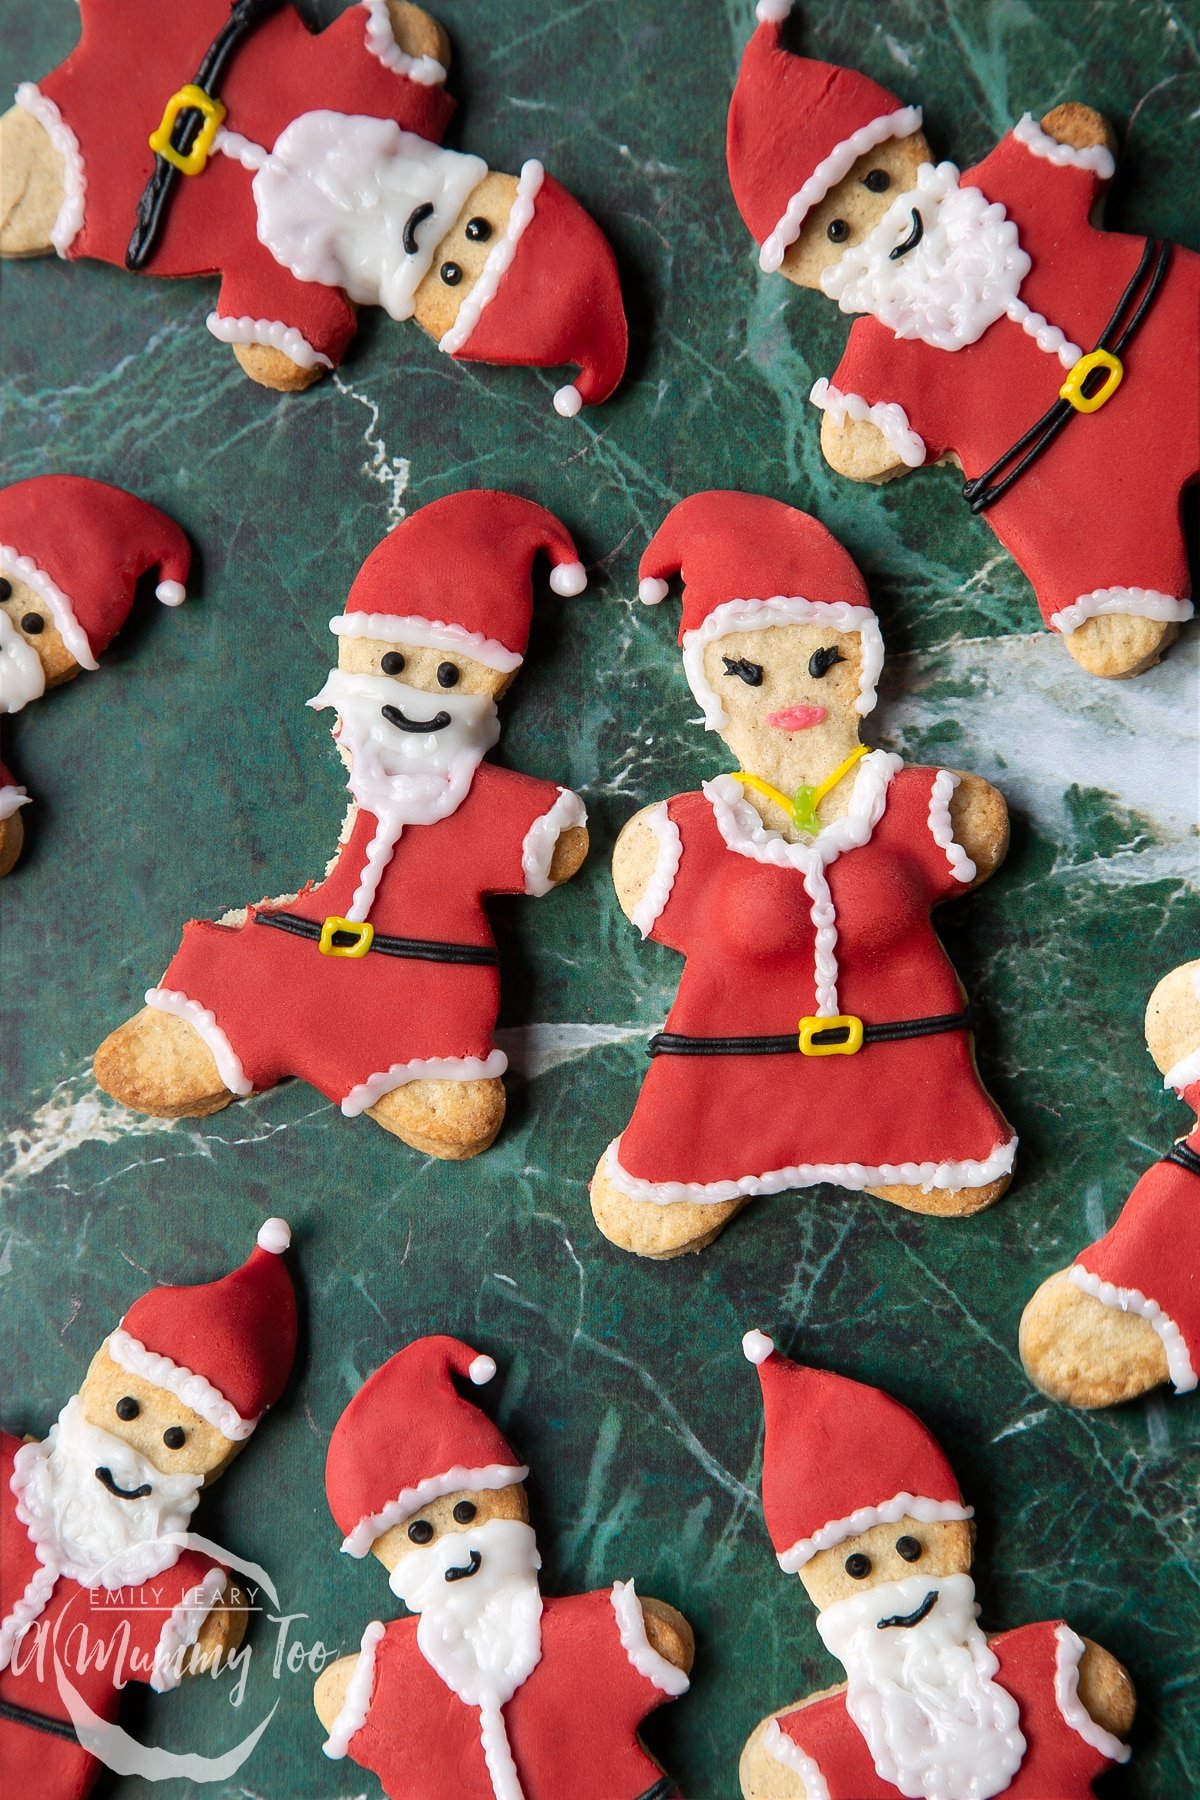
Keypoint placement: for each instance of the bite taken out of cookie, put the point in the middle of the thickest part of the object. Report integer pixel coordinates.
(819, 1034)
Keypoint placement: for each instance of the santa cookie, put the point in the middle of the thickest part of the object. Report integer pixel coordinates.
(819, 1033)
(1001, 329)
(71, 554)
(380, 984)
(861, 1503)
(99, 1582)
(489, 1691)
(1125, 1316)
(305, 169)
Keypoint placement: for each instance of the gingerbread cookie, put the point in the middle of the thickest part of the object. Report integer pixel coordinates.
(100, 1585)
(998, 328)
(862, 1504)
(819, 1033)
(380, 983)
(489, 1691)
(306, 169)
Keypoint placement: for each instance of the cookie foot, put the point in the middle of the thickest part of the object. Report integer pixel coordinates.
(453, 1120)
(945, 1203)
(1118, 645)
(12, 839)
(157, 1063)
(1083, 1353)
(32, 185)
(270, 368)
(653, 1231)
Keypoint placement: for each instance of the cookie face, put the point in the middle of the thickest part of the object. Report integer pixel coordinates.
(786, 680)
(462, 253)
(852, 209)
(431, 669)
(156, 1423)
(887, 1553)
(449, 1513)
(34, 624)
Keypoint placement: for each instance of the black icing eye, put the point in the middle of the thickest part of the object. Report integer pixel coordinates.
(420, 1531)
(479, 230)
(837, 231)
(821, 661)
(465, 1511)
(447, 674)
(392, 663)
(749, 672)
(910, 1548)
(858, 1566)
(173, 1437)
(5, 589)
(32, 624)
(127, 1408)
(878, 181)
(451, 274)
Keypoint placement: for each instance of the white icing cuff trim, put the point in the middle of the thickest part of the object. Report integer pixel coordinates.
(23, 568)
(271, 332)
(887, 416)
(666, 867)
(941, 829)
(828, 172)
(182, 1629)
(756, 1347)
(1146, 603)
(427, 634)
(191, 1390)
(427, 1068)
(1183, 1073)
(499, 259)
(426, 71)
(900, 1506)
(274, 1236)
(359, 1688)
(1068, 1655)
(30, 1606)
(66, 227)
(229, 1063)
(1096, 157)
(1132, 1300)
(645, 1659)
(537, 852)
(410, 1500)
(784, 1750)
(10, 799)
(781, 609)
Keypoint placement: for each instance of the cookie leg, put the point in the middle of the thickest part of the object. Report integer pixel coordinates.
(12, 837)
(452, 1120)
(159, 1064)
(654, 1231)
(1085, 1353)
(32, 185)
(1118, 645)
(945, 1203)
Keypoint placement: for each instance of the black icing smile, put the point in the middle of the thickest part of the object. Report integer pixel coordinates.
(416, 217)
(913, 1618)
(137, 1493)
(472, 1568)
(395, 717)
(912, 240)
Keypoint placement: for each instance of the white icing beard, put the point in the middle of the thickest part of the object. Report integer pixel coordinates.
(81, 1529)
(954, 283)
(22, 677)
(482, 1634)
(937, 1724)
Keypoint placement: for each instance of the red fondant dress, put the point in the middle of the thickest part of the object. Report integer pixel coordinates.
(12, 794)
(774, 932)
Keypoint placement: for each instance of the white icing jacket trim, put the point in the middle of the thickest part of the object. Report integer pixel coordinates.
(1047, 337)
(411, 1499)
(30, 1606)
(428, 634)
(828, 172)
(191, 1389)
(1068, 1654)
(780, 609)
(67, 225)
(23, 568)
(900, 1506)
(426, 71)
(537, 852)
(427, 1068)
(359, 1690)
(182, 1629)
(1096, 157)
(10, 799)
(1132, 1300)
(666, 867)
(941, 830)
(1183, 1073)
(887, 416)
(642, 1655)
(499, 259)
(271, 332)
(785, 1750)
(1146, 603)
(229, 1063)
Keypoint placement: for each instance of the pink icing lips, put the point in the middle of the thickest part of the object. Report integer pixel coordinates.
(797, 718)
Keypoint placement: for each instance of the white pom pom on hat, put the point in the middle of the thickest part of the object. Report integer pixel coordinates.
(482, 1369)
(171, 593)
(772, 12)
(757, 1346)
(651, 590)
(568, 579)
(567, 401)
(274, 1236)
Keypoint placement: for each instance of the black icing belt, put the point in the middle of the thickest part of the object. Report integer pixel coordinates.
(674, 1043)
(1184, 1157)
(24, 1715)
(984, 490)
(421, 949)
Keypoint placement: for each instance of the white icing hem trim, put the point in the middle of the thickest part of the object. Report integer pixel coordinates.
(780, 609)
(410, 1500)
(359, 1690)
(23, 568)
(637, 1647)
(229, 1063)
(1096, 157)
(30, 98)
(191, 1390)
(1132, 1300)
(499, 258)
(1183, 1073)
(1068, 1654)
(11, 798)
(666, 867)
(182, 1629)
(31, 1605)
(941, 830)
(537, 851)
(828, 172)
(785, 1750)
(426, 71)
(887, 416)
(1146, 603)
(271, 332)
(427, 1068)
(427, 634)
(900, 1506)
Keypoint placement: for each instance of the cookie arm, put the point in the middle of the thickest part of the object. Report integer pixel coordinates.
(570, 852)
(633, 860)
(858, 449)
(329, 1689)
(1106, 1690)
(1079, 127)
(668, 1633)
(979, 820)
(221, 1633)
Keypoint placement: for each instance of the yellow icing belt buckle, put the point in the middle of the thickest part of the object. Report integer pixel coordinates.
(813, 1029)
(362, 933)
(193, 162)
(1075, 387)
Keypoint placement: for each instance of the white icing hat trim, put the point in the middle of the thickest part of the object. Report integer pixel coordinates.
(1183, 1073)
(66, 227)
(422, 1068)
(631, 1624)
(229, 1063)
(828, 172)
(274, 333)
(1068, 1654)
(23, 568)
(757, 1346)
(785, 1750)
(426, 71)
(568, 579)
(887, 416)
(1132, 1300)
(357, 1703)
(11, 797)
(941, 829)
(666, 866)
(1096, 157)
(182, 1629)
(537, 851)
(567, 401)
(411, 1500)
(171, 593)
(900, 1506)
(782, 609)
(428, 634)
(194, 1391)
(499, 259)
(1145, 603)
(274, 1236)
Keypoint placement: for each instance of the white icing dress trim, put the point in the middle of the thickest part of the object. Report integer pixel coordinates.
(422, 1068)
(427, 634)
(1096, 157)
(23, 568)
(229, 1063)
(887, 416)
(828, 172)
(412, 1499)
(1132, 1300)
(900, 1506)
(641, 1653)
(359, 1689)
(666, 867)
(1047, 337)
(537, 851)
(192, 1390)
(1068, 1655)
(941, 829)
(11, 797)
(271, 332)
(499, 259)
(781, 609)
(1146, 603)
(785, 1750)
(1183, 1073)
(30, 1606)
(426, 71)
(182, 1629)
(66, 227)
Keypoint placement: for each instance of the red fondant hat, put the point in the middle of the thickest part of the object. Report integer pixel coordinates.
(548, 294)
(82, 546)
(225, 1349)
(458, 575)
(796, 128)
(408, 1436)
(840, 1457)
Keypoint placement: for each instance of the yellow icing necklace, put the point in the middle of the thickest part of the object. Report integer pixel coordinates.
(803, 804)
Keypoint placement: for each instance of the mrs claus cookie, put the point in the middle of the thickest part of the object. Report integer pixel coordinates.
(380, 983)
(1125, 1316)
(71, 554)
(861, 1503)
(999, 328)
(489, 1691)
(305, 169)
(819, 1033)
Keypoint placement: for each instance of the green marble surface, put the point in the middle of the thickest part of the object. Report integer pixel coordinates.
(187, 776)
